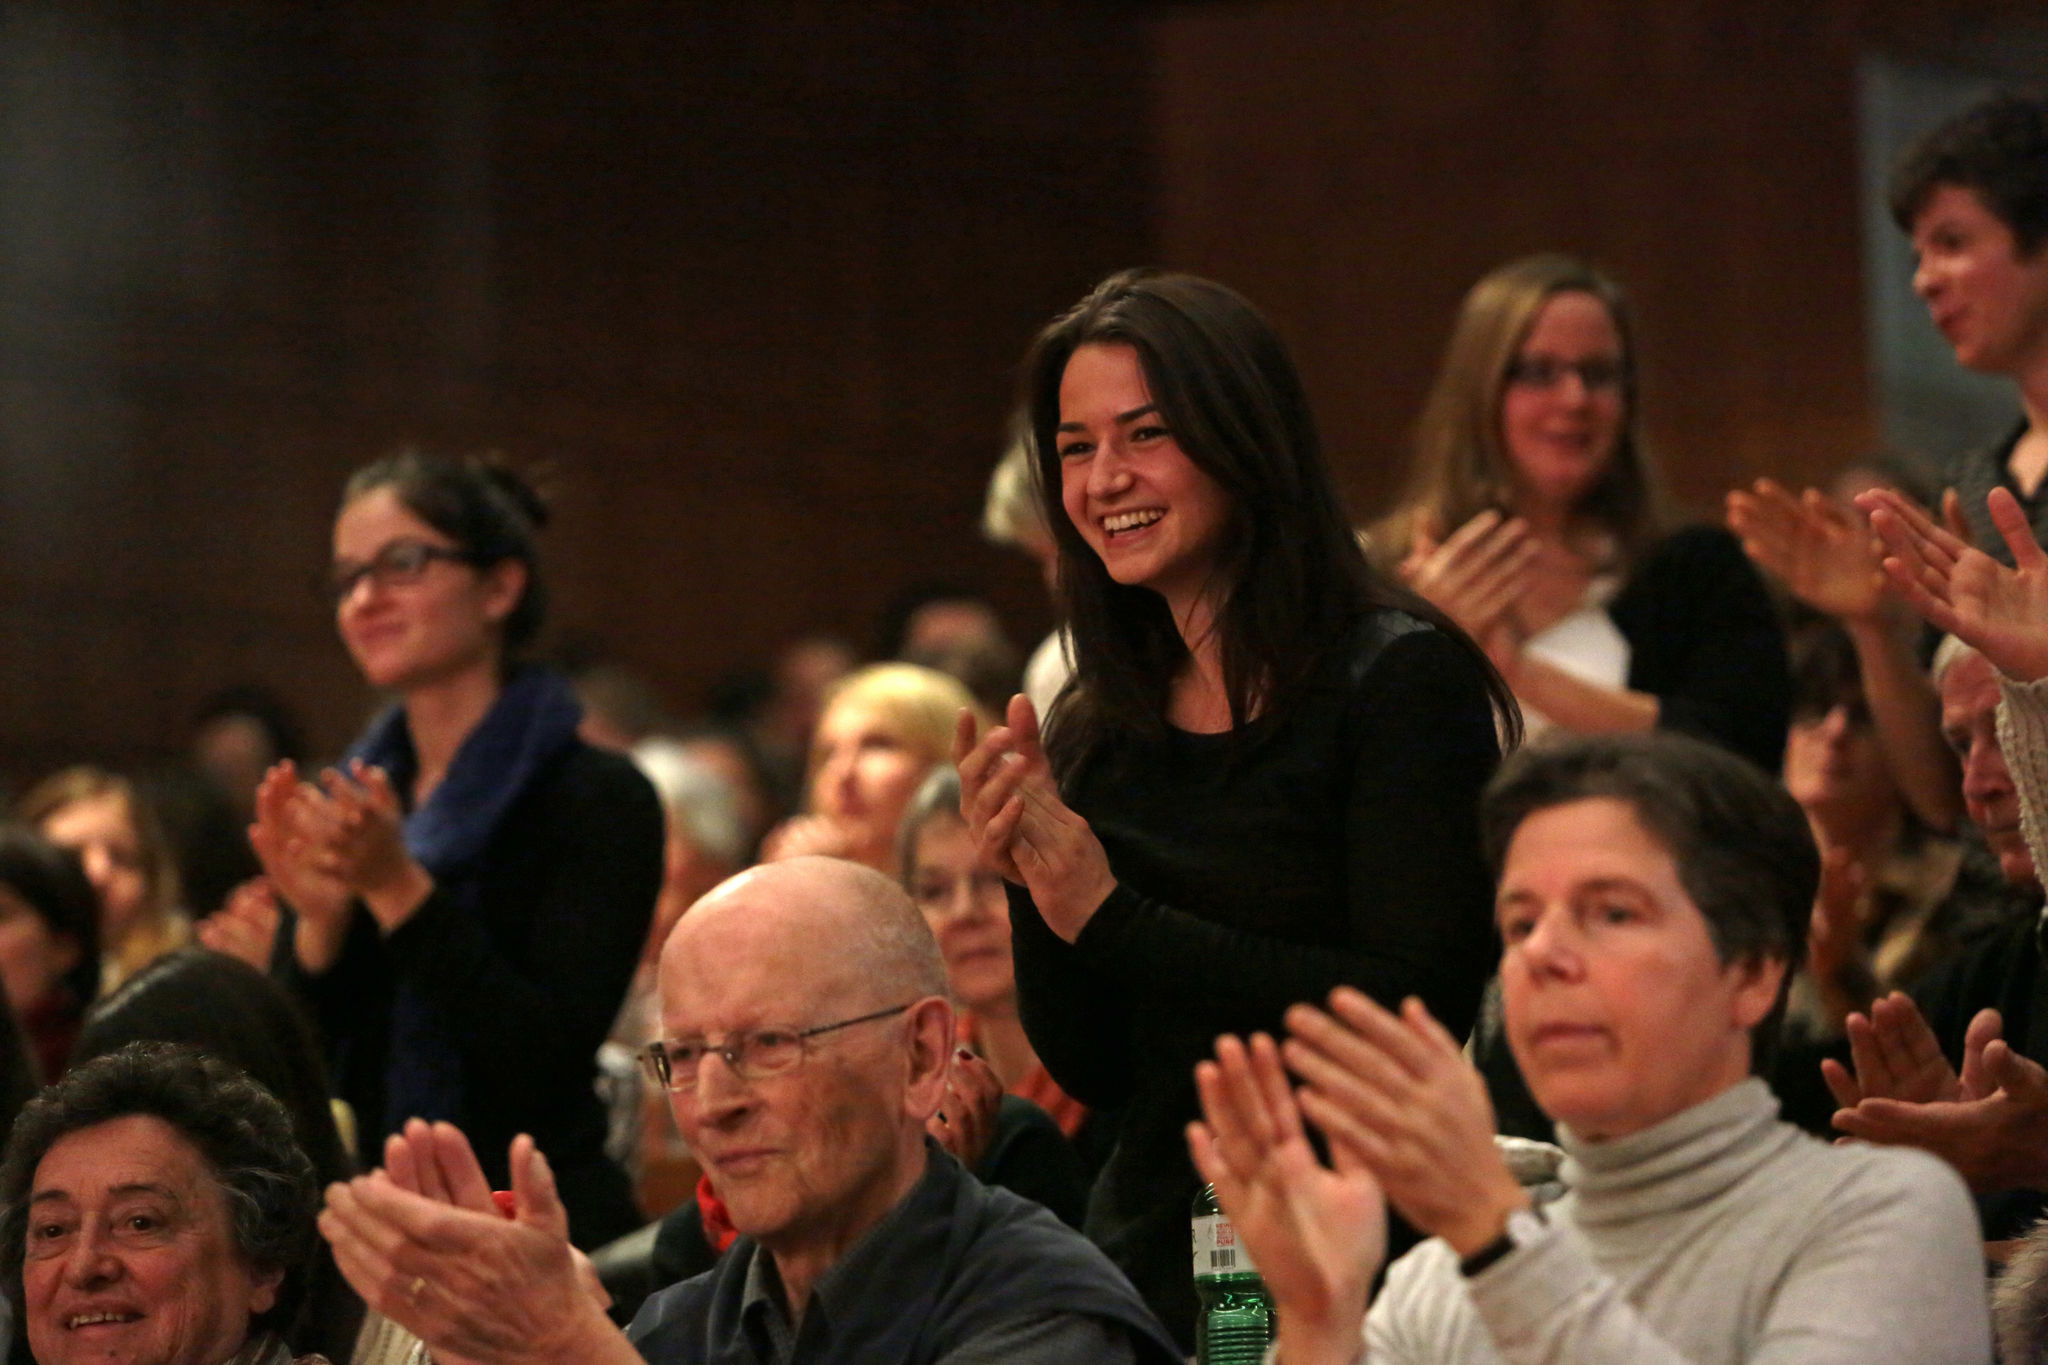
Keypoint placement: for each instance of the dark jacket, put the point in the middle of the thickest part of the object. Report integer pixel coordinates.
(955, 1259)
(523, 965)
(1704, 639)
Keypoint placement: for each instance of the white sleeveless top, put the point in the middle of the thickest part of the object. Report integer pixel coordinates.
(1585, 643)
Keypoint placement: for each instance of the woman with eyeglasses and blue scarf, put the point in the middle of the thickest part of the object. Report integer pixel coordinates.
(472, 885)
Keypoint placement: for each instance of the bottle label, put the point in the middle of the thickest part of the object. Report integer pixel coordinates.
(1217, 1250)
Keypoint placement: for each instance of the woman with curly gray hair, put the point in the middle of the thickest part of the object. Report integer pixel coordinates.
(158, 1212)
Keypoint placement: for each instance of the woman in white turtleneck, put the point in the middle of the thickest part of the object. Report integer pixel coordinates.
(1653, 897)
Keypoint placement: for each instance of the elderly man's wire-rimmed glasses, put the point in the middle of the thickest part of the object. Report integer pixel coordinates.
(751, 1055)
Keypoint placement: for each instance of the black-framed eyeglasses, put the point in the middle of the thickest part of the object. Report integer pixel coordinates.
(751, 1054)
(1599, 375)
(399, 564)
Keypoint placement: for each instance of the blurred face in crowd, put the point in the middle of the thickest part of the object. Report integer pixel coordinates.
(101, 830)
(1987, 298)
(1836, 769)
(234, 751)
(1618, 1007)
(1153, 516)
(812, 1153)
(1969, 721)
(33, 956)
(131, 1257)
(863, 774)
(417, 616)
(969, 914)
(1561, 409)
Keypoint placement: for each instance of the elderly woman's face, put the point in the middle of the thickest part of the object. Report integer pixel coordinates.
(131, 1256)
(1619, 1009)
(968, 912)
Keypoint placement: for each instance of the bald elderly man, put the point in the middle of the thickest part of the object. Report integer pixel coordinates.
(805, 1042)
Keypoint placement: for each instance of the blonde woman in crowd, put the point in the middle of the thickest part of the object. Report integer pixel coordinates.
(883, 728)
(1534, 518)
(105, 819)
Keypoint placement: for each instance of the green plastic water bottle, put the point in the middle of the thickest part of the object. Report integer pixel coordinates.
(1233, 1313)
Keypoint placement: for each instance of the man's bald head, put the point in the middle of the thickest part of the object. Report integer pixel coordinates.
(834, 926)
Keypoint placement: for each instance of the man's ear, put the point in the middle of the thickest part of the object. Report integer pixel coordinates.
(931, 1055)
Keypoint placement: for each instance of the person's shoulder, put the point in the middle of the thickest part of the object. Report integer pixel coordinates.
(1391, 661)
(1693, 545)
(1387, 639)
(1852, 1181)
(1011, 1258)
(671, 1319)
(588, 781)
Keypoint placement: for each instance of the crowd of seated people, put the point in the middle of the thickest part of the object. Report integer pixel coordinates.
(899, 1010)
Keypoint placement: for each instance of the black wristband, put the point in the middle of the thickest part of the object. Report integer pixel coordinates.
(1510, 1237)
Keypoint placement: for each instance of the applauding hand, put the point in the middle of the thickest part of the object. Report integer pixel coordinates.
(1022, 828)
(1825, 555)
(1960, 589)
(1318, 1234)
(1397, 1091)
(354, 823)
(245, 927)
(296, 870)
(1474, 576)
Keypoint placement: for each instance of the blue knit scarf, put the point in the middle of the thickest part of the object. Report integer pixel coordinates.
(531, 723)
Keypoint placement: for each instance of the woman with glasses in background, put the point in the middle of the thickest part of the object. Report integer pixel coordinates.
(473, 885)
(1534, 518)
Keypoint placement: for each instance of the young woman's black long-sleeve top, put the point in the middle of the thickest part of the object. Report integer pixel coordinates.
(1336, 843)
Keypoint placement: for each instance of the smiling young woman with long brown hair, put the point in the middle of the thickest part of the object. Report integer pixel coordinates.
(1262, 779)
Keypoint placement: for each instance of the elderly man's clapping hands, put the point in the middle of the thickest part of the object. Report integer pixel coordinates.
(425, 1243)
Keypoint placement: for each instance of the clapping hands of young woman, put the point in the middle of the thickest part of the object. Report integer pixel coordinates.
(1021, 826)
(326, 844)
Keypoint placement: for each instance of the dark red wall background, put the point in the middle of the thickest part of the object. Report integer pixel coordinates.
(752, 278)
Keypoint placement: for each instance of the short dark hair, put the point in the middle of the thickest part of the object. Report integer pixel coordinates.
(1999, 149)
(1825, 673)
(240, 1130)
(481, 504)
(51, 882)
(1742, 847)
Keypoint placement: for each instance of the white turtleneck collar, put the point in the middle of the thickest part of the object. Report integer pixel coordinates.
(1694, 1156)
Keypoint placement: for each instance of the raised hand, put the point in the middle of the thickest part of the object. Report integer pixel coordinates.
(1317, 1234)
(1895, 1056)
(1834, 936)
(1397, 1091)
(1965, 592)
(967, 1121)
(1021, 826)
(475, 1286)
(296, 870)
(354, 823)
(807, 836)
(245, 927)
(1822, 551)
(1993, 1130)
(1475, 575)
